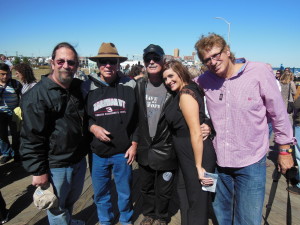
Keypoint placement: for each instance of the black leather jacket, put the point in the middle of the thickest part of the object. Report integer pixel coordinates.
(54, 131)
(157, 152)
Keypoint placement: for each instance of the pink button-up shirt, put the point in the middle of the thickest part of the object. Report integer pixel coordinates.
(238, 107)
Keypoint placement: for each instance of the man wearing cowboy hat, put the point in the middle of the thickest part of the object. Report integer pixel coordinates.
(112, 121)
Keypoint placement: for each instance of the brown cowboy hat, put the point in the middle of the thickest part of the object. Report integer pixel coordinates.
(108, 50)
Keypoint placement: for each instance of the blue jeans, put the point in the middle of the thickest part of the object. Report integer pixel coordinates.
(240, 194)
(68, 184)
(101, 177)
(297, 152)
(6, 148)
(270, 129)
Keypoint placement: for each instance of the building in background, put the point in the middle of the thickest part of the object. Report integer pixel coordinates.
(176, 52)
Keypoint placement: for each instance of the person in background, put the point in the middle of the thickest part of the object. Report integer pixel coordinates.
(295, 189)
(54, 131)
(240, 97)
(25, 74)
(297, 91)
(80, 75)
(194, 71)
(136, 72)
(287, 69)
(281, 67)
(288, 89)
(10, 91)
(278, 74)
(126, 70)
(196, 155)
(4, 59)
(279, 87)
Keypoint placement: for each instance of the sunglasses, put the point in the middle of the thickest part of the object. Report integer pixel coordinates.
(108, 61)
(155, 58)
(61, 62)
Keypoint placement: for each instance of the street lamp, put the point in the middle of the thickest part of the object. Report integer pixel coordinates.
(221, 18)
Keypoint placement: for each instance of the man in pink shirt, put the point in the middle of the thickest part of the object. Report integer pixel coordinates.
(239, 96)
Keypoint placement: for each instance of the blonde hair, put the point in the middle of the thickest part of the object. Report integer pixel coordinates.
(286, 77)
(206, 43)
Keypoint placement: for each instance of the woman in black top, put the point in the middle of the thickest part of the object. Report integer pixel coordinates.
(196, 154)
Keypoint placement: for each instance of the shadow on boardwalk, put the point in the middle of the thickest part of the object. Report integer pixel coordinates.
(10, 173)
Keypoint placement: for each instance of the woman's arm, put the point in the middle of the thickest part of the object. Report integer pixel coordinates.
(190, 110)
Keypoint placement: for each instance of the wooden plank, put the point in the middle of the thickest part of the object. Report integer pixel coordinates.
(17, 191)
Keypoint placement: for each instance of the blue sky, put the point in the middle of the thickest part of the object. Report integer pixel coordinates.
(261, 30)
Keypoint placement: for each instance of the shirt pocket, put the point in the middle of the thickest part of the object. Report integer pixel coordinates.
(248, 98)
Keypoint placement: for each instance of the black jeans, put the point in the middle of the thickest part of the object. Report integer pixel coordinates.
(195, 204)
(156, 189)
(5, 147)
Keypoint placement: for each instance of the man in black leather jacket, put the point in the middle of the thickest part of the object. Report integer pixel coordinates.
(53, 136)
(155, 155)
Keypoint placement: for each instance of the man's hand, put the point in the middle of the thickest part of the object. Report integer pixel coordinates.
(205, 129)
(285, 162)
(41, 180)
(100, 133)
(130, 153)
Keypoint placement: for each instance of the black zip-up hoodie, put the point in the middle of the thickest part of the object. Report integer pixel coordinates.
(112, 107)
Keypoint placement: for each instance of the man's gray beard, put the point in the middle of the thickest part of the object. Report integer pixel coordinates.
(66, 80)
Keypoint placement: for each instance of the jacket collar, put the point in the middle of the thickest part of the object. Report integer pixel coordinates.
(50, 84)
(99, 83)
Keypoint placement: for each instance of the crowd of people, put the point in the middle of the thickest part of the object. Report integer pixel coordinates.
(188, 130)
(290, 94)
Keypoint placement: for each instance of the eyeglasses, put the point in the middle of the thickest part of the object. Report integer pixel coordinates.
(217, 56)
(108, 61)
(155, 58)
(61, 62)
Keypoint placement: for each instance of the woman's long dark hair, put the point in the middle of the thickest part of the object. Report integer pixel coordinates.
(181, 70)
(26, 71)
(178, 68)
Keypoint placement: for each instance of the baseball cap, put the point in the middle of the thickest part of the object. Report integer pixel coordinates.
(44, 198)
(154, 49)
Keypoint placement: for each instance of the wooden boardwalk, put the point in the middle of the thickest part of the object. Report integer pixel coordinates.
(17, 192)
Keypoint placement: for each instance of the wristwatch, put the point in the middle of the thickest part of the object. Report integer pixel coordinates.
(286, 150)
